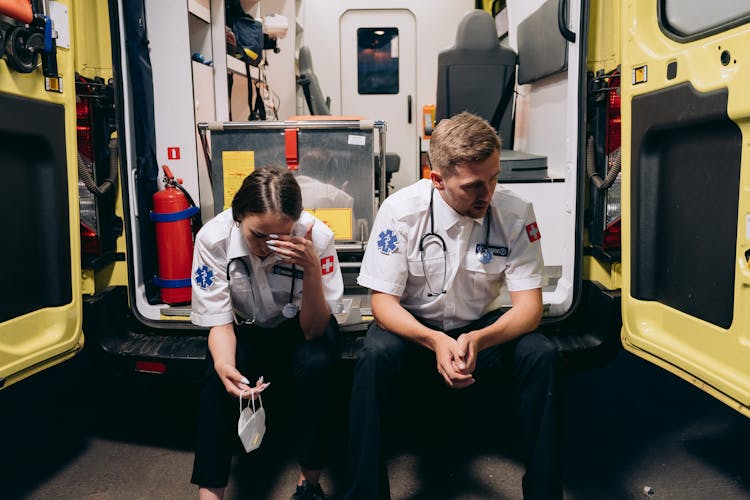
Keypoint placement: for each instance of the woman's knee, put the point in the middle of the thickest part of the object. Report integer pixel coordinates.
(314, 357)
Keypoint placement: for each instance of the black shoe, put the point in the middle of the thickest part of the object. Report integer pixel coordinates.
(309, 491)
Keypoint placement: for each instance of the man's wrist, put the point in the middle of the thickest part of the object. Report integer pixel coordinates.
(478, 338)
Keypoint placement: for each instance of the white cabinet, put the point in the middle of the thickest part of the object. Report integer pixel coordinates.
(185, 91)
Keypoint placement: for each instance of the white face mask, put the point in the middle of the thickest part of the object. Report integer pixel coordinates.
(252, 425)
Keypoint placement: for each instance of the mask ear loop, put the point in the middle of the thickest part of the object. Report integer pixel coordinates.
(241, 393)
(260, 398)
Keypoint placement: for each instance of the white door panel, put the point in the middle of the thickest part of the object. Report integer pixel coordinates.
(378, 78)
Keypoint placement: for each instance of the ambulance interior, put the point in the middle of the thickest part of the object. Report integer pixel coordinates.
(384, 63)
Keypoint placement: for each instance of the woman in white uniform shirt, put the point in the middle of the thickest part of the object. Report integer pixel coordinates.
(266, 277)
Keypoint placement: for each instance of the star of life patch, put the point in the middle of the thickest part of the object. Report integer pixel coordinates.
(387, 242)
(204, 277)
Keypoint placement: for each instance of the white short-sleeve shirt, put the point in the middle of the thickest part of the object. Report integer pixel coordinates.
(263, 286)
(394, 264)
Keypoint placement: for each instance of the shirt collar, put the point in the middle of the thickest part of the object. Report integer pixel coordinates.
(237, 245)
(447, 215)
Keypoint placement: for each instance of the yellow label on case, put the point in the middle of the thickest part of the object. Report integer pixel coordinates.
(339, 220)
(237, 166)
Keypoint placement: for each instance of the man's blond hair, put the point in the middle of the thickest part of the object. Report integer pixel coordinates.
(464, 138)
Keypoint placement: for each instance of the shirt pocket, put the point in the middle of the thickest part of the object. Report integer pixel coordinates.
(427, 275)
(486, 279)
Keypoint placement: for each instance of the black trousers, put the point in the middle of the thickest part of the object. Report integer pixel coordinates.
(279, 354)
(387, 359)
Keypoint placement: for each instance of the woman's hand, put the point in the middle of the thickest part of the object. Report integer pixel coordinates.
(297, 250)
(236, 384)
(253, 392)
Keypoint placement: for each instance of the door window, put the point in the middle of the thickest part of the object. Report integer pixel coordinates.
(690, 19)
(377, 60)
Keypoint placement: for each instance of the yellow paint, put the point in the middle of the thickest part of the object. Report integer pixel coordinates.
(237, 166)
(339, 220)
(607, 274)
(44, 337)
(712, 358)
(604, 36)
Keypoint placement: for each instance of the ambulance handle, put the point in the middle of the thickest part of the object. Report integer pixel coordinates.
(562, 21)
(408, 109)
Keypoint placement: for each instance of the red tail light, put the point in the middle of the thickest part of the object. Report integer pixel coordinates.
(89, 241)
(612, 236)
(614, 138)
(150, 367)
(83, 126)
(612, 233)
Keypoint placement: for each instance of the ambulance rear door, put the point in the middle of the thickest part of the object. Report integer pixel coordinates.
(40, 298)
(686, 191)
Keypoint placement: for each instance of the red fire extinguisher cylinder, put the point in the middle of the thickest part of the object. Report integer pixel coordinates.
(174, 242)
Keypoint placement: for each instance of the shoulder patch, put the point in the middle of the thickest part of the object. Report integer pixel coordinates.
(204, 277)
(532, 230)
(387, 242)
(326, 265)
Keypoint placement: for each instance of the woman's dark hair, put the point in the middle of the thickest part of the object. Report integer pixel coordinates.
(268, 189)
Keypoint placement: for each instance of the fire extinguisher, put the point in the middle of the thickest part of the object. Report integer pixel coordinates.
(172, 213)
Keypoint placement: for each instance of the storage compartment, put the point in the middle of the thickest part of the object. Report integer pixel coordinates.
(34, 204)
(332, 161)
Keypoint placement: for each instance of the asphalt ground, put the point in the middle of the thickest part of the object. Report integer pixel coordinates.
(631, 430)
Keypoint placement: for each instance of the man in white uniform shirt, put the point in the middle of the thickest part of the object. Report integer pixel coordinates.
(439, 253)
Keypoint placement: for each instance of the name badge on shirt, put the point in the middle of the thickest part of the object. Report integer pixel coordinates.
(287, 271)
(499, 251)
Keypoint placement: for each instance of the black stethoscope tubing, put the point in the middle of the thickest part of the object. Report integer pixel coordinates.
(484, 256)
(249, 275)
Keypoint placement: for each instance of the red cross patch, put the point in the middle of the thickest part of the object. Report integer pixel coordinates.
(533, 231)
(326, 265)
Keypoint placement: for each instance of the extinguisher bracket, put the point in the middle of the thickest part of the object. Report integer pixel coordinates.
(174, 216)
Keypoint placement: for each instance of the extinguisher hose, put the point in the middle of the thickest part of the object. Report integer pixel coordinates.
(86, 171)
(197, 222)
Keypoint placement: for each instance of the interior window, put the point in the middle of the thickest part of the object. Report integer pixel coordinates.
(377, 60)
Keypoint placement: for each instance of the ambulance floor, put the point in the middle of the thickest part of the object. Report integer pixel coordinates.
(631, 431)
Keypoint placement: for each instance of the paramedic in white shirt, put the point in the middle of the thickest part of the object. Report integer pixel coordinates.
(265, 280)
(439, 252)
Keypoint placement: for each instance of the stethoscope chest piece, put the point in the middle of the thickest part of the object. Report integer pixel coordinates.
(289, 310)
(485, 256)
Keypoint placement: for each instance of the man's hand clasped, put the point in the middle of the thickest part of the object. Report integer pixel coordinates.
(456, 360)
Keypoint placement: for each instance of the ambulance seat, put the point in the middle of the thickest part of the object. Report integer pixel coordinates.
(478, 75)
(317, 104)
(474, 73)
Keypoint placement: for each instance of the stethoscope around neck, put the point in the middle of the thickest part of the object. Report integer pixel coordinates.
(288, 311)
(483, 253)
